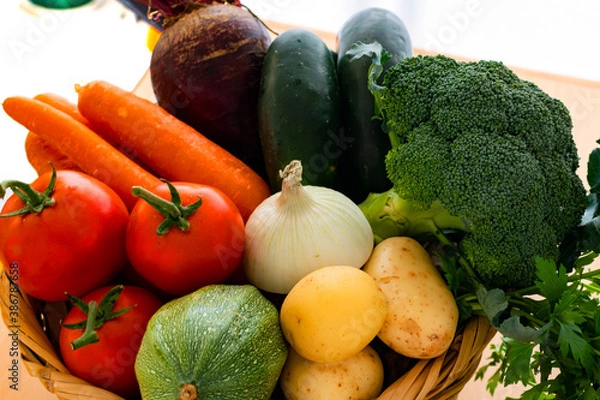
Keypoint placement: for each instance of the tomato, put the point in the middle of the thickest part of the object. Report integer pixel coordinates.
(202, 248)
(109, 362)
(75, 245)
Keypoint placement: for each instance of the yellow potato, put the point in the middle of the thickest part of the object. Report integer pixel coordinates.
(359, 377)
(422, 312)
(333, 313)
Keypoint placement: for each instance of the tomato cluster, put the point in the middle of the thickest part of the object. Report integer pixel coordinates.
(72, 238)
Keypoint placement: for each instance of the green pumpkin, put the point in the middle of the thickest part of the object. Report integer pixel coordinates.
(221, 342)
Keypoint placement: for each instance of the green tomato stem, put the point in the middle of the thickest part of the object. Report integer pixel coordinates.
(89, 336)
(97, 315)
(174, 212)
(34, 201)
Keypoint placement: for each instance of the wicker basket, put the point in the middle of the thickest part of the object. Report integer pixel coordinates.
(440, 378)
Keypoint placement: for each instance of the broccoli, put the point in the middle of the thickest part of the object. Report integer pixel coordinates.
(480, 158)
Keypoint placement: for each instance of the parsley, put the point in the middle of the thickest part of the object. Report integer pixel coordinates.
(555, 336)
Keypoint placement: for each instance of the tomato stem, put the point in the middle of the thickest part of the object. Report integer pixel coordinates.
(97, 315)
(89, 336)
(34, 201)
(175, 213)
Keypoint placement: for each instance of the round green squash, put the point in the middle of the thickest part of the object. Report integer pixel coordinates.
(221, 342)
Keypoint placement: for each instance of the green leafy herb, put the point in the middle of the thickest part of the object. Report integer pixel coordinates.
(554, 338)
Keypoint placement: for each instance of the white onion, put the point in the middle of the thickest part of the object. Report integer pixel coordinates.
(301, 229)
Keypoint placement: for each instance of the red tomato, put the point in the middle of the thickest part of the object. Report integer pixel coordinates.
(110, 362)
(180, 262)
(74, 246)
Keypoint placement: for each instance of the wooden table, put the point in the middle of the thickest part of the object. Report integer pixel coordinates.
(581, 97)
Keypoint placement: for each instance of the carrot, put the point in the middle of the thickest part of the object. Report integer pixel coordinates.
(71, 108)
(171, 148)
(63, 104)
(40, 153)
(89, 151)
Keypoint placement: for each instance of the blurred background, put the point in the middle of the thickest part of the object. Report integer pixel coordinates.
(556, 36)
(44, 50)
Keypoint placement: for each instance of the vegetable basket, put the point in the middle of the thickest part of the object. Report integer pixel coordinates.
(438, 378)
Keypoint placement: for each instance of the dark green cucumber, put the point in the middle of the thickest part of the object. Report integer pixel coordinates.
(299, 108)
(362, 166)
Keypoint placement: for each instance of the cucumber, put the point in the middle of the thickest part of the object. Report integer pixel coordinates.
(362, 166)
(299, 108)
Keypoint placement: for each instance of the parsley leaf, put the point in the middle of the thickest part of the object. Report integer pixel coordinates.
(518, 357)
(550, 283)
(555, 336)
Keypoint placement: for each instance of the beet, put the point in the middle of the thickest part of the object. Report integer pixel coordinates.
(205, 70)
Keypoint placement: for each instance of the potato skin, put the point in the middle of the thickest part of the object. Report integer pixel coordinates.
(359, 377)
(333, 313)
(422, 312)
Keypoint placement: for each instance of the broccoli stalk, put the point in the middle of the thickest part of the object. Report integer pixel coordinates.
(391, 215)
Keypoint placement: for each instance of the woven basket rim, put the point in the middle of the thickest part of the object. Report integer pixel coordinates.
(440, 378)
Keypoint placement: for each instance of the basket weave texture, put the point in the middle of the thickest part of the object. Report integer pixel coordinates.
(440, 378)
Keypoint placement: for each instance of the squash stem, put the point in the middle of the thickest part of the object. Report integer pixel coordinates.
(188, 392)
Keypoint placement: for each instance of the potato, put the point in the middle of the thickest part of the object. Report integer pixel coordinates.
(359, 377)
(333, 313)
(422, 312)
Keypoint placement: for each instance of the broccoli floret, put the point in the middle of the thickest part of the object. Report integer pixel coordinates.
(480, 154)
(416, 91)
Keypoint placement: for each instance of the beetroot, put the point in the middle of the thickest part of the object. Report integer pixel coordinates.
(205, 70)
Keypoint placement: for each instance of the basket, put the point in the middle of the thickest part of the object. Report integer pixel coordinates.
(440, 378)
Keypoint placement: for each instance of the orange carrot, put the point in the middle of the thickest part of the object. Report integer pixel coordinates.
(62, 104)
(40, 153)
(89, 151)
(171, 148)
(65, 105)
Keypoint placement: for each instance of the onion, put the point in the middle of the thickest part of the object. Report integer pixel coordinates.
(205, 70)
(301, 229)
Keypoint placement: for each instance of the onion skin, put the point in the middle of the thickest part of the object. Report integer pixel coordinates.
(205, 70)
(301, 229)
